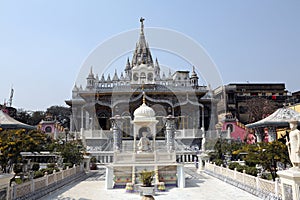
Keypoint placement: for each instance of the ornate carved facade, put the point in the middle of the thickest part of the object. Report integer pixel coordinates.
(178, 94)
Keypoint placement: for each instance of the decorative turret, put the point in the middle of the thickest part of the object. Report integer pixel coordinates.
(108, 80)
(122, 77)
(102, 79)
(75, 91)
(157, 70)
(194, 79)
(142, 54)
(90, 80)
(128, 68)
(115, 78)
(164, 76)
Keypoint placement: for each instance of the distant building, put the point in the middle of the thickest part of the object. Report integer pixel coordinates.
(51, 127)
(235, 95)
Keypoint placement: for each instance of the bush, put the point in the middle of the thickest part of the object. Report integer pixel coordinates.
(51, 165)
(233, 165)
(251, 171)
(218, 162)
(267, 176)
(48, 170)
(146, 177)
(240, 168)
(18, 181)
(38, 174)
(70, 165)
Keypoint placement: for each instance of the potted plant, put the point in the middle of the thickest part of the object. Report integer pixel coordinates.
(147, 189)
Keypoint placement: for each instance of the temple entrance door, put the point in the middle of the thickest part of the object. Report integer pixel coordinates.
(103, 123)
(103, 115)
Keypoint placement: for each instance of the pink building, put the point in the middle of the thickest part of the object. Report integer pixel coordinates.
(50, 126)
(236, 130)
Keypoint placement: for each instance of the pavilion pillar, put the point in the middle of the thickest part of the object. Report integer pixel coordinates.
(87, 118)
(170, 133)
(117, 133)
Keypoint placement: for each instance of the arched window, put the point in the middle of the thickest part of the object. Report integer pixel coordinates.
(48, 129)
(229, 127)
(126, 125)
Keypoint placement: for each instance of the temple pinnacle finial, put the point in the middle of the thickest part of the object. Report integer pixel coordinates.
(142, 25)
(144, 99)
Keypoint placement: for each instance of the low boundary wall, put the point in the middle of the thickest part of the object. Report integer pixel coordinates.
(37, 188)
(265, 189)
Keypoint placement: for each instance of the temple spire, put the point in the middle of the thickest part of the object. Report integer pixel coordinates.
(142, 54)
(142, 25)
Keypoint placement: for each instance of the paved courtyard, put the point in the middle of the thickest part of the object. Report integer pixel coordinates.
(198, 186)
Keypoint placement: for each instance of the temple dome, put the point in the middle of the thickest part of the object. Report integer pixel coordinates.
(144, 111)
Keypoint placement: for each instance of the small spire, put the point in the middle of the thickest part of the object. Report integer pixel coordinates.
(108, 78)
(122, 77)
(127, 65)
(102, 78)
(115, 78)
(144, 98)
(142, 25)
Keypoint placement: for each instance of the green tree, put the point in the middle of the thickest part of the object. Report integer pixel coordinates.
(71, 152)
(267, 155)
(61, 113)
(224, 146)
(13, 142)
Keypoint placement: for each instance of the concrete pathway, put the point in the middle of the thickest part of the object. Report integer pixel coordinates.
(198, 186)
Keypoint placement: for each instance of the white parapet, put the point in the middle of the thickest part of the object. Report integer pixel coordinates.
(109, 178)
(180, 176)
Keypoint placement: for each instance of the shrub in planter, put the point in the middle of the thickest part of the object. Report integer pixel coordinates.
(233, 165)
(51, 165)
(251, 171)
(218, 162)
(146, 178)
(70, 165)
(38, 174)
(48, 170)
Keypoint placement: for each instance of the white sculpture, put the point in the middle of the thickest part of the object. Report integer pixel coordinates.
(294, 144)
(144, 144)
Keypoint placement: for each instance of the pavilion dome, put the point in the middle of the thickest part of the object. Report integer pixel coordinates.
(144, 111)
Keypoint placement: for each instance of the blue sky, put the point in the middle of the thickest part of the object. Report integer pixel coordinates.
(44, 43)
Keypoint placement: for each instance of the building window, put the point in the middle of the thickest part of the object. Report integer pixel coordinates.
(48, 129)
(229, 127)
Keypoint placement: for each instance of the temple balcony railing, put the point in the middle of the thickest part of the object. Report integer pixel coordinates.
(129, 88)
(96, 134)
(188, 133)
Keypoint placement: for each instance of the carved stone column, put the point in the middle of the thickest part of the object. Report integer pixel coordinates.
(170, 133)
(116, 122)
(272, 133)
